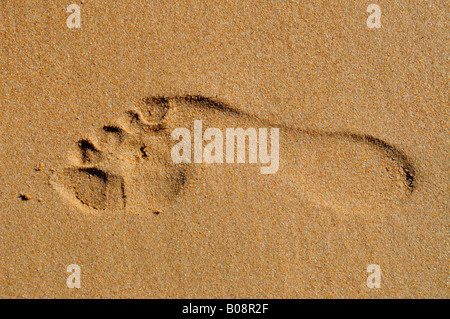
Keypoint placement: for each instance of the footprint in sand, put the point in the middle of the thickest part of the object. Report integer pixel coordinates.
(126, 165)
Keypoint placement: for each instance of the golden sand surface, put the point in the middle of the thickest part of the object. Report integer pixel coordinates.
(86, 121)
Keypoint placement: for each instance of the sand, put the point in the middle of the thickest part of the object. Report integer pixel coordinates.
(86, 123)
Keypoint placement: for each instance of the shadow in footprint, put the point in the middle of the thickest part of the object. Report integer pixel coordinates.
(91, 188)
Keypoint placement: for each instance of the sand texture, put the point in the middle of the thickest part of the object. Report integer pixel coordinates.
(88, 175)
